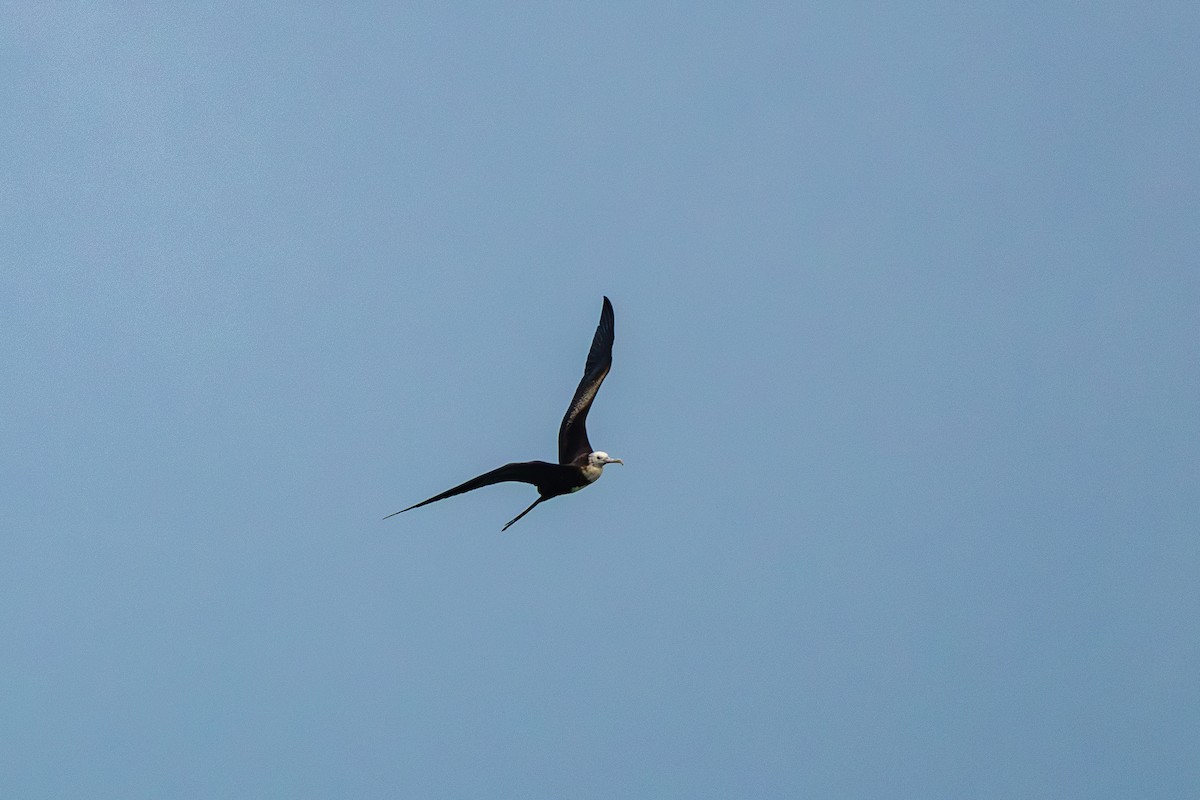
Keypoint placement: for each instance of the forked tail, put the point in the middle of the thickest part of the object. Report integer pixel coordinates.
(523, 513)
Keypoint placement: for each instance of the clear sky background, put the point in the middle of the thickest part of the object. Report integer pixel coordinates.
(906, 383)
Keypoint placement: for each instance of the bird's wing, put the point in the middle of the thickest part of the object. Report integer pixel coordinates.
(535, 472)
(572, 436)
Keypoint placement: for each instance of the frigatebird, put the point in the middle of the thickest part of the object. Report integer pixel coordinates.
(578, 465)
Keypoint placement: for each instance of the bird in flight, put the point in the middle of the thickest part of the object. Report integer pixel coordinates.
(578, 465)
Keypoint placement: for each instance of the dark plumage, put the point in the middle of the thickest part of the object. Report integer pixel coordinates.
(578, 465)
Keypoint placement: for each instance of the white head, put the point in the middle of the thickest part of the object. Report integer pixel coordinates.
(599, 458)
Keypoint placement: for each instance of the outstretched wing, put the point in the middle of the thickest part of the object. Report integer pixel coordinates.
(536, 472)
(572, 436)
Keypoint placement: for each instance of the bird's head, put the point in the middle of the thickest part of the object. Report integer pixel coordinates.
(599, 459)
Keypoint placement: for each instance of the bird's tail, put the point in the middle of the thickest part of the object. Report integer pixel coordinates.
(523, 513)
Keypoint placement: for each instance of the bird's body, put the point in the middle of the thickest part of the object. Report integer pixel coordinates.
(578, 465)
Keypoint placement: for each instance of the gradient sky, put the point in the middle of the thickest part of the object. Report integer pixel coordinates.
(906, 383)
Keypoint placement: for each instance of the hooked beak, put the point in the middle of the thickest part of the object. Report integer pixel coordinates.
(614, 461)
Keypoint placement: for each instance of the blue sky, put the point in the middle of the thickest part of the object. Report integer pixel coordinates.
(905, 382)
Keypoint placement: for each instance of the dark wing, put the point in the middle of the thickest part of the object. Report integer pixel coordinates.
(535, 472)
(572, 436)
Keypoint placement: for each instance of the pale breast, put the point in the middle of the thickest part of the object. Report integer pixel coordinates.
(591, 472)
